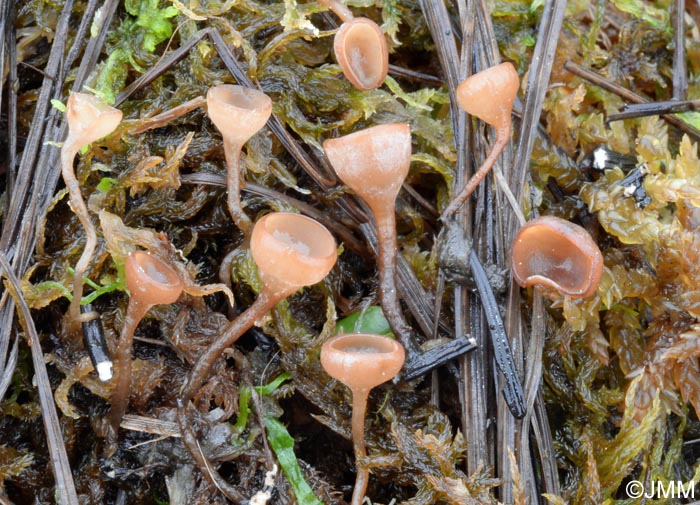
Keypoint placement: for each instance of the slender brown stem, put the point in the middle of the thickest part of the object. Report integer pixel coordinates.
(233, 160)
(502, 138)
(200, 373)
(359, 410)
(122, 367)
(80, 209)
(387, 250)
(340, 9)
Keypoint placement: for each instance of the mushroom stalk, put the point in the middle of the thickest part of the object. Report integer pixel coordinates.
(80, 209)
(89, 119)
(238, 113)
(339, 9)
(291, 251)
(502, 139)
(122, 362)
(374, 163)
(265, 302)
(359, 411)
(387, 250)
(361, 361)
(233, 187)
(151, 281)
(489, 95)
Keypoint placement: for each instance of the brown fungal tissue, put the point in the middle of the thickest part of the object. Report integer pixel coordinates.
(488, 95)
(292, 251)
(238, 113)
(360, 48)
(374, 163)
(361, 362)
(558, 256)
(89, 119)
(151, 282)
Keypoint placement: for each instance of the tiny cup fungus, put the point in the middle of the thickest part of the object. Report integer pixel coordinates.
(374, 163)
(360, 48)
(292, 251)
(557, 256)
(151, 282)
(488, 95)
(238, 113)
(361, 361)
(89, 119)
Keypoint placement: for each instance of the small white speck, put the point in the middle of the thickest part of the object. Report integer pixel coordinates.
(104, 371)
(600, 158)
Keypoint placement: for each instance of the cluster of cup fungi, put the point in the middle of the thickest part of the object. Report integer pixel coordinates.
(293, 251)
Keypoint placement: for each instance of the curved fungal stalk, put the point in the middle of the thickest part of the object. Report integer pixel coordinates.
(292, 251)
(89, 119)
(360, 48)
(238, 113)
(488, 95)
(151, 282)
(374, 163)
(557, 256)
(361, 362)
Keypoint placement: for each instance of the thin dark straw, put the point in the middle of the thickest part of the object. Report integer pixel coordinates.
(628, 95)
(65, 487)
(680, 71)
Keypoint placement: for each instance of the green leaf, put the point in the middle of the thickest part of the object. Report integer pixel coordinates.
(106, 184)
(153, 19)
(690, 118)
(244, 396)
(282, 444)
(112, 77)
(58, 105)
(536, 4)
(371, 320)
(645, 11)
(270, 388)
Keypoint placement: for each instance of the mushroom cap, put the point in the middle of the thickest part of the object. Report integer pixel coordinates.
(489, 94)
(89, 119)
(238, 112)
(362, 53)
(557, 255)
(362, 361)
(150, 280)
(373, 162)
(291, 251)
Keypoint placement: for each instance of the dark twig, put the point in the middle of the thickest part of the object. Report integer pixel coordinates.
(513, 391)
(680, 71)
(654, 109)
(65, 488)
(162, 66)
(626, 94)
(414, 75)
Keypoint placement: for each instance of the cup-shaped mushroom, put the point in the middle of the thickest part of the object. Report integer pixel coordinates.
(556, 255)
(373, 162)
(291, 251)
(362, 53)
(89, 119)
(362, 361)
(489, 94)
(238, 112)
(150, 280)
